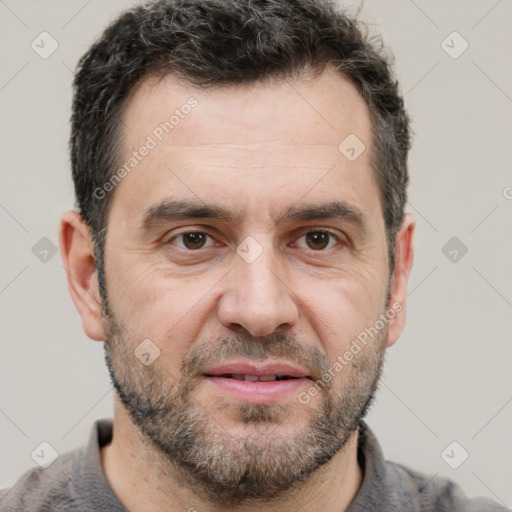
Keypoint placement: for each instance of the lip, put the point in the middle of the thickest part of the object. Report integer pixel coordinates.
(255, 392)
(250, 368)
(258, 392)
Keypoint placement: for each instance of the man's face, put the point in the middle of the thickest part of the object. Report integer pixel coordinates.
(282, 278)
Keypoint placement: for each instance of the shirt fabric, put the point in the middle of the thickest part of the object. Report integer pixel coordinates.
(75, 482)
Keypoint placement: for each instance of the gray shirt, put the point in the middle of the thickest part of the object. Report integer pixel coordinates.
(75, 482)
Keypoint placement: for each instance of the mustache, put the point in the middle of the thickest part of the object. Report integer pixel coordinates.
(282, 346)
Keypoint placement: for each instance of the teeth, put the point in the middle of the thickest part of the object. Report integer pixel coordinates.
(267, 378)
(254, 378)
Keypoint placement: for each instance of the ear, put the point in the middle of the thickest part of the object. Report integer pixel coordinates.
(404, 255)
(77, 250)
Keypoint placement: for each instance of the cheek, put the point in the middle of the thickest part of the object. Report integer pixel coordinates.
(339, 309)
(343, 320)
(152, 302)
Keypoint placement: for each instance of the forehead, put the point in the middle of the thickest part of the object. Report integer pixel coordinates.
(326, 107)
(248, 145)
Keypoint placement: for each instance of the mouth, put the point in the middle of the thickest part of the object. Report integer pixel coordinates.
(252, 383)
(253, 378)
(251, 371)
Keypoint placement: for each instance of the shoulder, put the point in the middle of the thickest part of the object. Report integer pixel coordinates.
(41, 489)
(74, 482)
(389, 486)
(434, 492)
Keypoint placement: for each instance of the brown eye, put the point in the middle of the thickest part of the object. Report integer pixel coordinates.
(191, 240)
(318, 240)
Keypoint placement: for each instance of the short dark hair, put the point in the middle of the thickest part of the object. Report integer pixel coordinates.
(221, 42)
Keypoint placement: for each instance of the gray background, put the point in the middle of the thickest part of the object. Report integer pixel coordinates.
(448, 377)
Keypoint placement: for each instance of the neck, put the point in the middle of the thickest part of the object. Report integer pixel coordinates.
(143, 479)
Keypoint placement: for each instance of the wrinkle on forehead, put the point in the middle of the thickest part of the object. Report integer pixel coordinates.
(255, 113)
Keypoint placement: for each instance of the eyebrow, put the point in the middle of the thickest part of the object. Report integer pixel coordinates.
(179, 209)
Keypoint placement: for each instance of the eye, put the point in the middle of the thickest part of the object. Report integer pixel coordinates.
(192, 240)
(318, 240)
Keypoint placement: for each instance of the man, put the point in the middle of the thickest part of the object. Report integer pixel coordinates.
(242, 249)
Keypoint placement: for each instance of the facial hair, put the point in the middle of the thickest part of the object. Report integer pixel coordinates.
(262, 466)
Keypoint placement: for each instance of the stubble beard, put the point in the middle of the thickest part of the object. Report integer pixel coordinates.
(268, 462)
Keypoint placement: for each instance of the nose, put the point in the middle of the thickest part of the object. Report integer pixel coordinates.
(257, 299)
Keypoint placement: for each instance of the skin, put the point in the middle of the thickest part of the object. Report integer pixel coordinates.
(259, 149)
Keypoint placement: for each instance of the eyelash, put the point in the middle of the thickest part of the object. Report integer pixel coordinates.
(326, 231)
